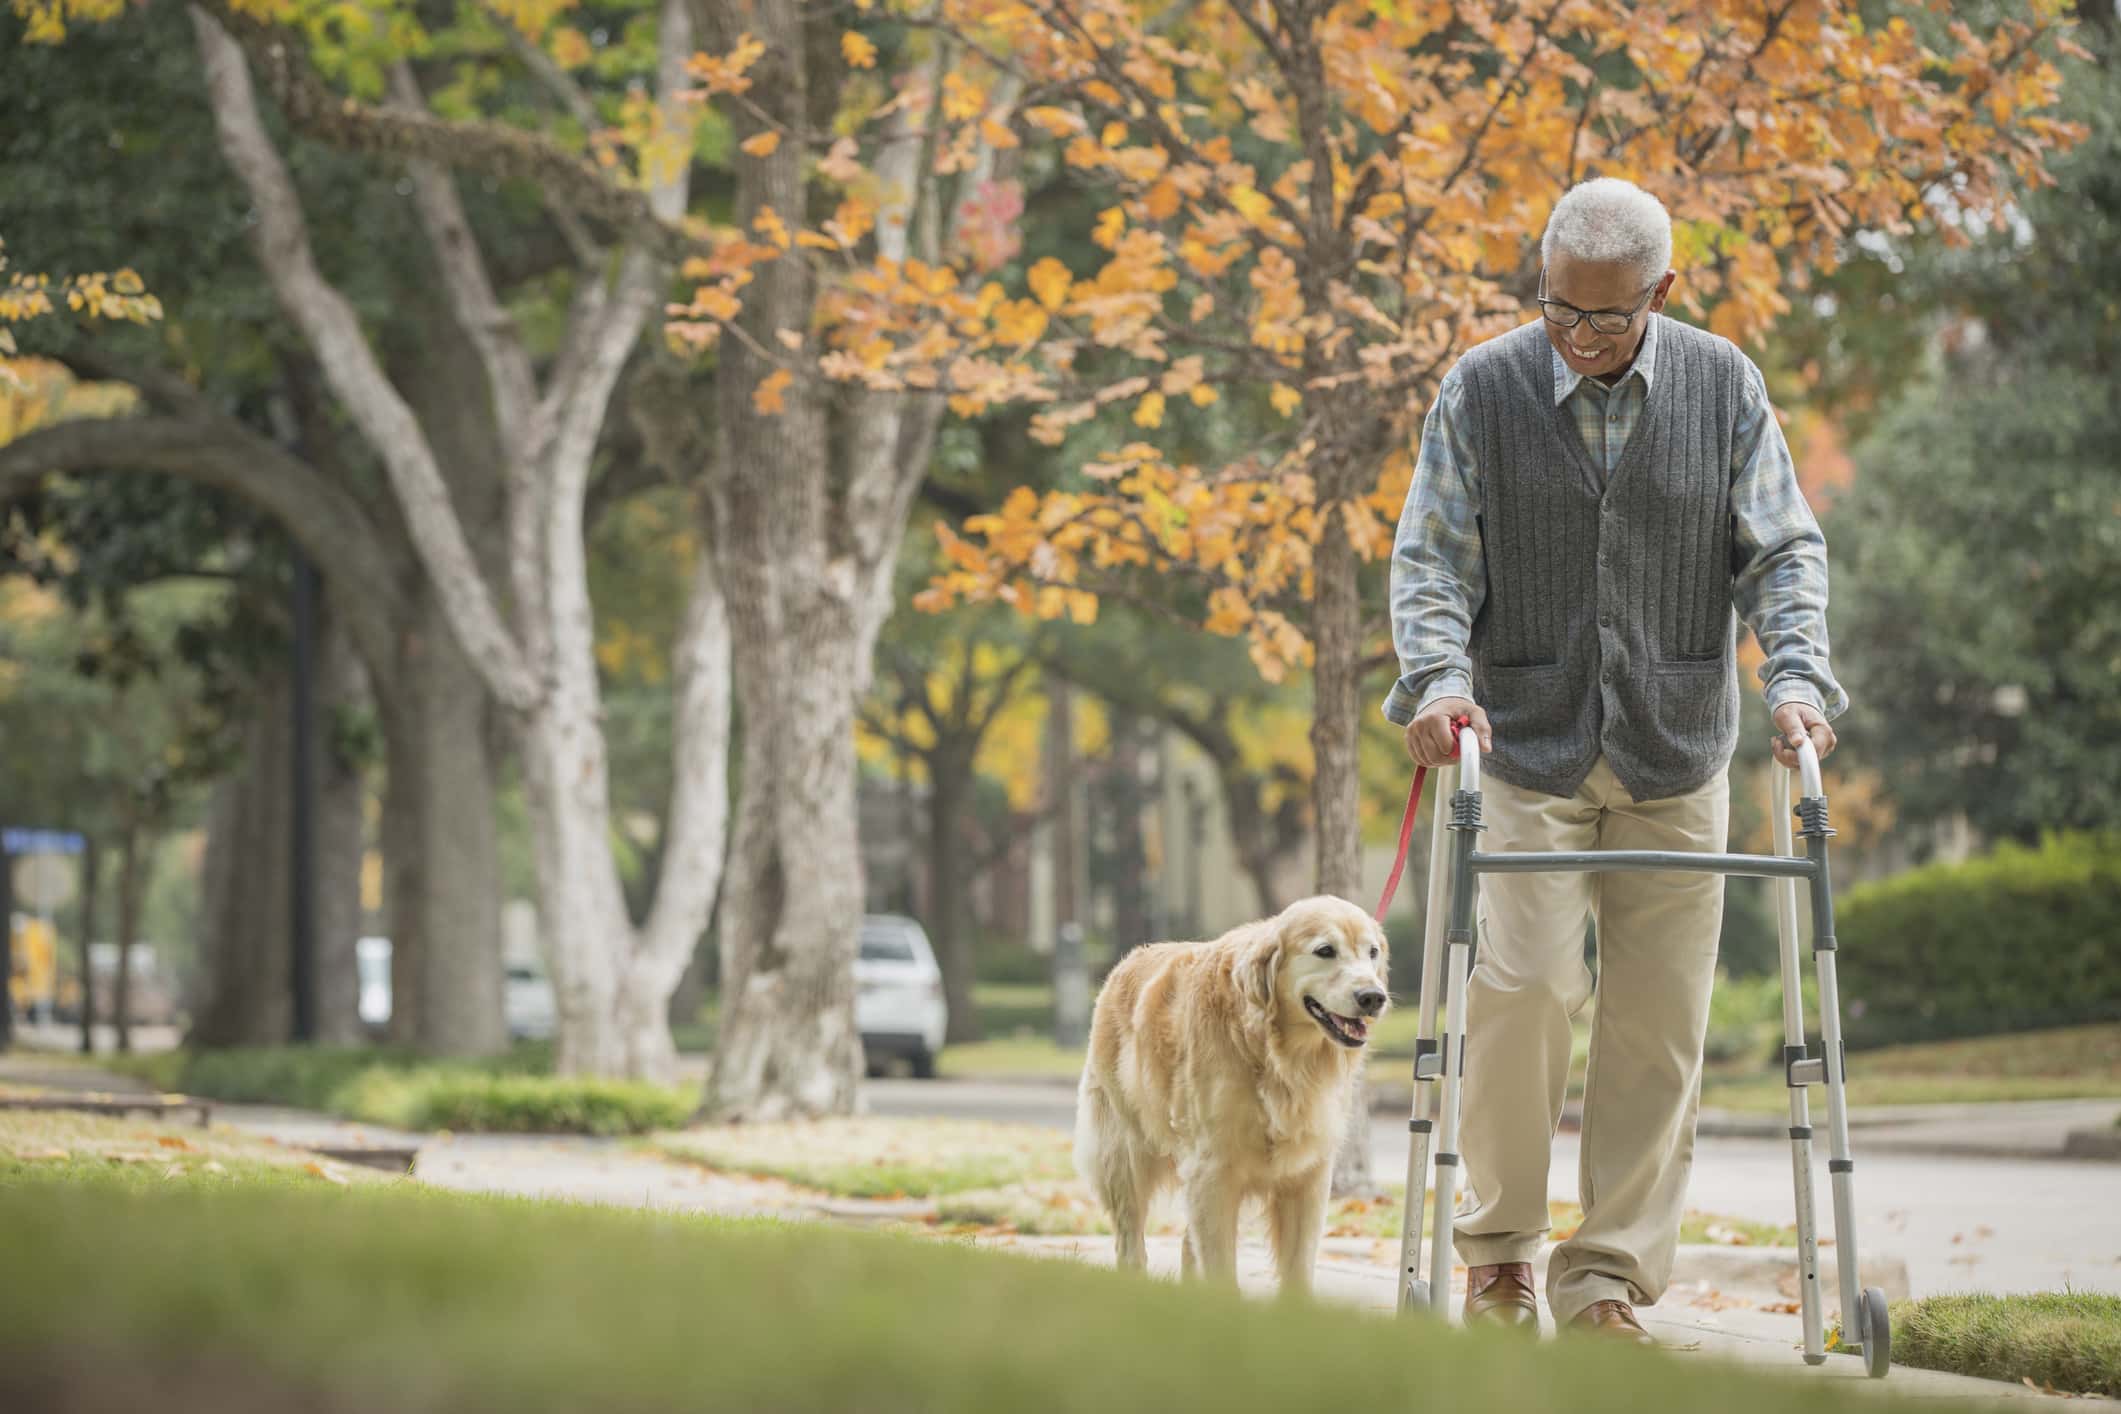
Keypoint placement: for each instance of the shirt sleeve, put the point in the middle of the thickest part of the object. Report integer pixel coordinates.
(1439, 569)
(1779, 561)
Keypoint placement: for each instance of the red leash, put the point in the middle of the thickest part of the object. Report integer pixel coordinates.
(1406, 823)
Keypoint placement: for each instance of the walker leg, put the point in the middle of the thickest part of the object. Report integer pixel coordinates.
(1856, 1304)
(1458, 939)
(1428, 1050)
(1793, 1050)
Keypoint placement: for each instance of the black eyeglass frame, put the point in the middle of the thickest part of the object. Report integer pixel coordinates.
(1548, 306)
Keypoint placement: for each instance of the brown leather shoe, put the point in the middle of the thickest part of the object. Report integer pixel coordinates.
(1614, 1320)
(1500, 1294)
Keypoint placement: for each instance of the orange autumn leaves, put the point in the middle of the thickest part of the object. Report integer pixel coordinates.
(1318, 222)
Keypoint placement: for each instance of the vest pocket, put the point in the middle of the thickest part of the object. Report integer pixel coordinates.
(1690, 700)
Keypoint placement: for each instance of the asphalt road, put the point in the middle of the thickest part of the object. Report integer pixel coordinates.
(1960, 1223)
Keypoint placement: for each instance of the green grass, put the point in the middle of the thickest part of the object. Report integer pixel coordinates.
(2076, 1062)
(1016, 1057)
(224, 1296)
(60, 1145)
(511, 1093)
(2066, 1341)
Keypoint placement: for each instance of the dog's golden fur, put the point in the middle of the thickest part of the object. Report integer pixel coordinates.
(1206, 1069)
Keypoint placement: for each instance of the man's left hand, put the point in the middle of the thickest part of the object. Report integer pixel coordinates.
(1796, 719)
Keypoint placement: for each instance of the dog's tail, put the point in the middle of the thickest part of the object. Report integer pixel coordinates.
(1090, 1124)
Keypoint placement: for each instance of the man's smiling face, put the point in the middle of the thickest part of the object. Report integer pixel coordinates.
(1600, 287)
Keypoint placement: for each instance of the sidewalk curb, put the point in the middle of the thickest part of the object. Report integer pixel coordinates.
(2092, 1144)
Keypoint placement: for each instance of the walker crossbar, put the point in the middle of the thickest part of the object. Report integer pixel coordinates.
(1637, 861)
(1448, 938)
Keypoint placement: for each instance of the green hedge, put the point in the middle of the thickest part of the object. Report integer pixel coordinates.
(2018, 940)
(512, 1104)
(512, 1093)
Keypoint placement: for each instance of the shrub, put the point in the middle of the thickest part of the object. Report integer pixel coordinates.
(509, 1093)
(2018, 940)
(303, 1076)
(511, 1104)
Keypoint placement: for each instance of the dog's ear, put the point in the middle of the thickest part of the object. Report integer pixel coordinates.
(1260, 967)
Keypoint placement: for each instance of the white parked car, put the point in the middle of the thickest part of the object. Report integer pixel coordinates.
(527, 1001)
(898, 995)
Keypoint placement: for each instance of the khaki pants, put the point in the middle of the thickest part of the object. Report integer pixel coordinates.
(1657, 938)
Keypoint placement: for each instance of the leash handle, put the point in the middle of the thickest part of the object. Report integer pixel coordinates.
(1406, 822)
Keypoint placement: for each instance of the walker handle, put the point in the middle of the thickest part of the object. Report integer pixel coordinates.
(1808, 766)
(1468, 758)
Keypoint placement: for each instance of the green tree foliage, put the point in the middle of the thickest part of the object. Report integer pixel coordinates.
(1978, 556)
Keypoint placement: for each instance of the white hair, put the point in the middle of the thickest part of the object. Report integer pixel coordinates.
(1611, 222)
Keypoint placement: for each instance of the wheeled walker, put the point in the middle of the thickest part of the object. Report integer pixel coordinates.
(1455, 864)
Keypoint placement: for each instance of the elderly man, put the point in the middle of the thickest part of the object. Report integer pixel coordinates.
(1597, 491)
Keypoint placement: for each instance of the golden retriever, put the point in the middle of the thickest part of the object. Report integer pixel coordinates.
(1224, 1067)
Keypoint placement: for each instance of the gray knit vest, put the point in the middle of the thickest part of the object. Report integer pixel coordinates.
(1607, 625)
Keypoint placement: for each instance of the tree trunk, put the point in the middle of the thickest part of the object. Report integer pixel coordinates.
(244, 996)
(1061, 793)
(581, 907)
(792, 897)
(950, 780)
(341, 686)
(441, 861)
(1129, 895)
(91, 887)
(797, 560)
(135, 852)
(1336, 784)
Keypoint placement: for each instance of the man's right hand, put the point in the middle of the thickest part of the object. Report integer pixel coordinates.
(1431, 739)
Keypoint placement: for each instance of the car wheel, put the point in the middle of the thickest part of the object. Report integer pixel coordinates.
(924, 1065)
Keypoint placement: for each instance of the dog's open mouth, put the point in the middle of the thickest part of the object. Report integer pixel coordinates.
(1348, 1030)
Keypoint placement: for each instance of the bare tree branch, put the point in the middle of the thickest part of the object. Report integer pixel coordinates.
(471, 294)
(320, 516)
(317, 110)
(334, 332)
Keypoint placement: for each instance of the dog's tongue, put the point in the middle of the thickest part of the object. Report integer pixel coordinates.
(1357, 1026)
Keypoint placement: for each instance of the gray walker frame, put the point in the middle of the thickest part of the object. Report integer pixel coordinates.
(1447, 954)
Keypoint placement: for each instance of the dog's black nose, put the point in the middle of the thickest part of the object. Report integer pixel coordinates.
(1370, 1000)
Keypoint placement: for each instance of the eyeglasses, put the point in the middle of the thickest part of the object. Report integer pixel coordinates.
(1563, 315)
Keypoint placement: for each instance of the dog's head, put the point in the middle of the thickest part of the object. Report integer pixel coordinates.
(1322, 958)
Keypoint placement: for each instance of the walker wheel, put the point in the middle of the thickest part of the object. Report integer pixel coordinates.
(1877, 1334)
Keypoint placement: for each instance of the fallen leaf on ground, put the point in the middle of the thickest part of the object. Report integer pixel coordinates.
(174, 1141)
(1782, 1308)
(46, 1153)
(322, 1172)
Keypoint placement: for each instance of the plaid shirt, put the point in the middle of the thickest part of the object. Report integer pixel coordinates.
(1439, 573)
